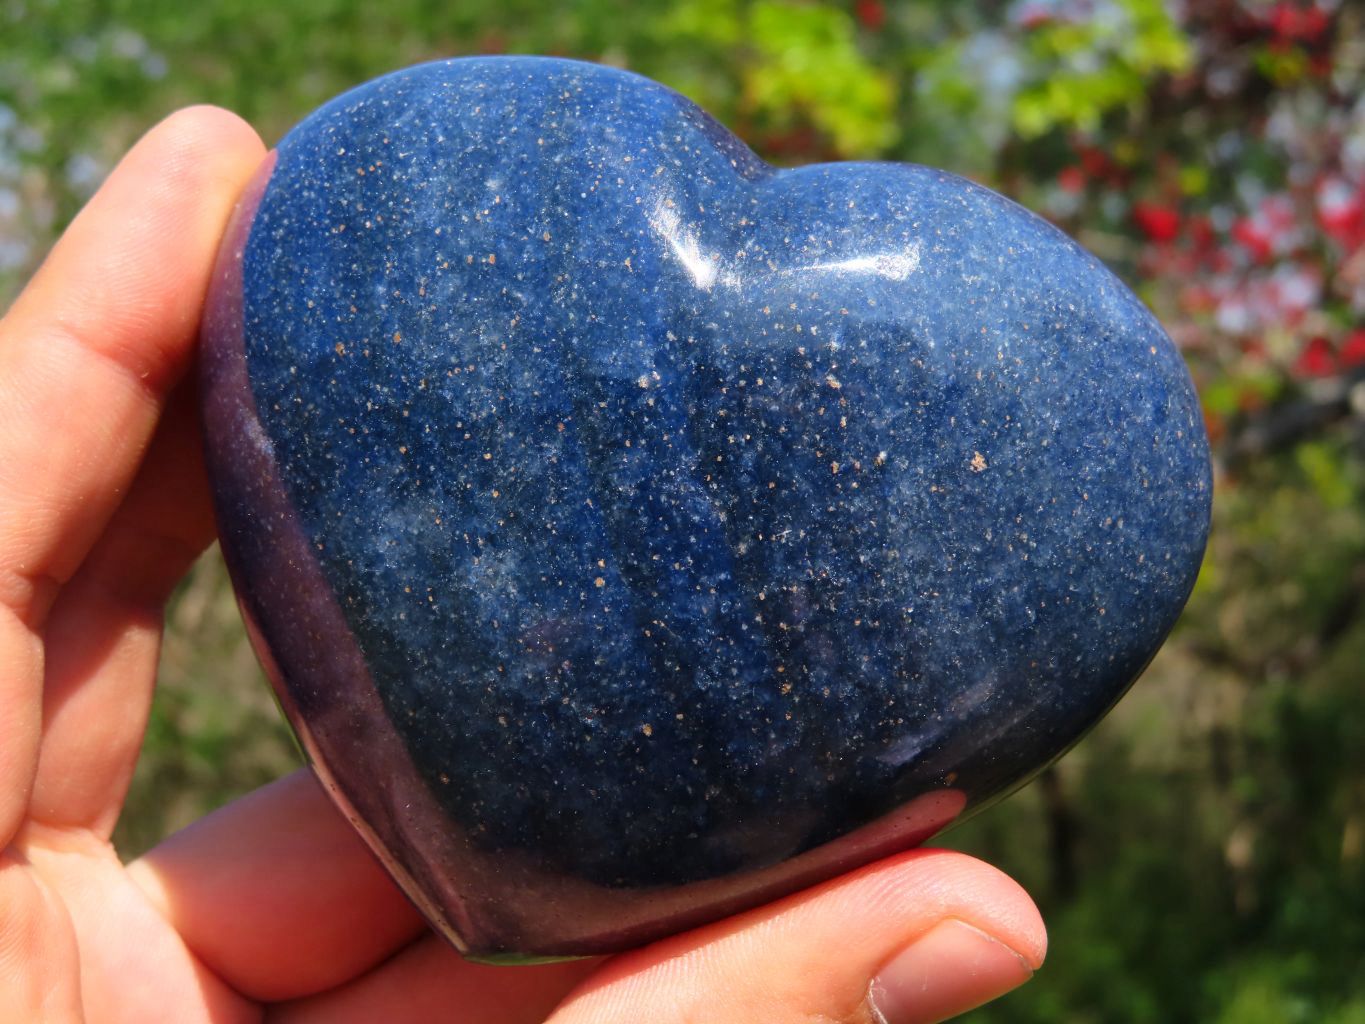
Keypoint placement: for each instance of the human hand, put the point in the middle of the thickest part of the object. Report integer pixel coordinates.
(272, 909)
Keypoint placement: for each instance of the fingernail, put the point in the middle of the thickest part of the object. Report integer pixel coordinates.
(950, 969)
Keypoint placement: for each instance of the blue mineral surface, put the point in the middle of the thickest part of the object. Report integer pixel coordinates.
(622, 518)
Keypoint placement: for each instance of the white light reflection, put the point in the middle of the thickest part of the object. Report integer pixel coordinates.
(708, 271)
(685, 245)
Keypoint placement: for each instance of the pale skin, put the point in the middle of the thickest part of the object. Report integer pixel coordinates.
(272, 909)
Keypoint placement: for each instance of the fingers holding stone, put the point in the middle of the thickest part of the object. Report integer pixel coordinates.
(428, 981)
(88, 353)
(914, 939)
(278, 894)
(104, 631)
(93, 346)
(911, 940)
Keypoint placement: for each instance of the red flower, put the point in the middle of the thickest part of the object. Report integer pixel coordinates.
(1353, 349)
(1159, 223)
(1071, 179)
(1341, 211)
(1201, 232)
(1094, 161)
(1293, 21)
(1317, 359)
(1253, 239)
(872, 13)
(1271, 229)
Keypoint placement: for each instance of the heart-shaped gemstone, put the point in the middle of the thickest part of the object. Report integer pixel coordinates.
(635, 532)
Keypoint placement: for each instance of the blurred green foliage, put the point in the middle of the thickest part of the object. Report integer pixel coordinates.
(1201, 856)
(1083, 69)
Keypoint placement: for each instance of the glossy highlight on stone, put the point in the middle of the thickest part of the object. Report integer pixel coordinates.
(635, 532)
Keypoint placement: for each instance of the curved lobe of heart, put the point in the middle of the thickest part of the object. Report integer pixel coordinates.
(635, 532)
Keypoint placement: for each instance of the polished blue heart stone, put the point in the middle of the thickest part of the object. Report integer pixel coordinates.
(635, 532)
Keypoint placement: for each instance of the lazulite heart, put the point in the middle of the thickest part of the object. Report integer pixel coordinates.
(635, 532)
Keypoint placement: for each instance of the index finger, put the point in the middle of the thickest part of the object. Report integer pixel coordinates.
(88, 354)
(94, 344)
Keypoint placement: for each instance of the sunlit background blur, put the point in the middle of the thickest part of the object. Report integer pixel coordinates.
(1201, 857)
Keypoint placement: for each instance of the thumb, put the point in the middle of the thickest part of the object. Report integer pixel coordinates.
(914, 939)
